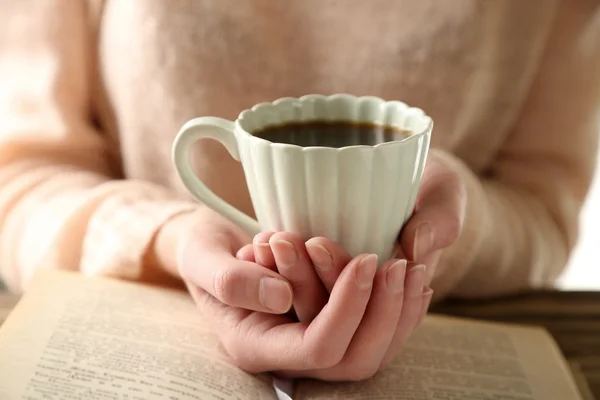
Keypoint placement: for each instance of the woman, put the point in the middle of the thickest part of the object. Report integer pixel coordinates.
(92, 93)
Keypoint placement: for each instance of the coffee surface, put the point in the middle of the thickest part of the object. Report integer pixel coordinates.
(331, 133)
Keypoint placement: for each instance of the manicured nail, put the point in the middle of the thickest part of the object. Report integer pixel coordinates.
(416, 280)
(275, 294)
(424, 238)
(394, 277)
(427, 296)
(366, 271)
(261, 249)
(319, 255)
(284, 253)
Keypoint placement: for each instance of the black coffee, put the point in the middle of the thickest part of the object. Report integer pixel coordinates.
(331, 133)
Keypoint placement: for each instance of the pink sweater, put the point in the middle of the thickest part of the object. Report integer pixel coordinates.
(92, 94)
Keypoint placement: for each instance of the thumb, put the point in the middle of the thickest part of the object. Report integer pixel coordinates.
(439, 213)
(207, 260)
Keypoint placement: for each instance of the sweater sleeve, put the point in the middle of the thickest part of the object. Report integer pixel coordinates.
(61, 202)
(522, 218)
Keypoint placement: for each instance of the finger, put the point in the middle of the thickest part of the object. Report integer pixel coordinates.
(331, 332)
(377, 328)
(211, 307)
(328, 258)
(427, 296)
(211, 265)
(431, 261)
(438, 216)
(262, 250)
(294, 263)
(411, 310)
(246, 253)
(225, 321)
(261, 344)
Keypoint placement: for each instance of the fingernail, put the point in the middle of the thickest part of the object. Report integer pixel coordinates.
(366, 271)
(394, 277)
(416, 280)
(286, 255)
(275, 294)
(424, 238)
(427, 296)
(259, 252)
(319, 255)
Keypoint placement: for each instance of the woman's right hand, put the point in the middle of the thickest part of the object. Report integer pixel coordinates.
(200, 248)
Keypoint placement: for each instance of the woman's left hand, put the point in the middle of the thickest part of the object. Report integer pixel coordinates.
(397, 303)
(438, 217)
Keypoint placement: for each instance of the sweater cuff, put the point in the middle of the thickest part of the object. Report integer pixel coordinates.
(122, 229)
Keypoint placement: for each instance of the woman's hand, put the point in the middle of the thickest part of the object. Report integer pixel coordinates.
(438, 217)
(395, 303)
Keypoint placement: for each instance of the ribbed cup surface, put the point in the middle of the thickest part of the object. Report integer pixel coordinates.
(358, 196)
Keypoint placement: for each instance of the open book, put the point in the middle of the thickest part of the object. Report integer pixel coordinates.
(72, 337)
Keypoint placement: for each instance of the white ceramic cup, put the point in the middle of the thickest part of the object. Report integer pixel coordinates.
(359, 196)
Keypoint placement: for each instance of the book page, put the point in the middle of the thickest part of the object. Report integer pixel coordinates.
(86, 338)
(454, 359)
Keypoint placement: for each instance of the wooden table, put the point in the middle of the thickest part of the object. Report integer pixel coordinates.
(573, 319)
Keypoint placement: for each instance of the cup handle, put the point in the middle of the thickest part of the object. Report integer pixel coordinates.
(223, 131)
